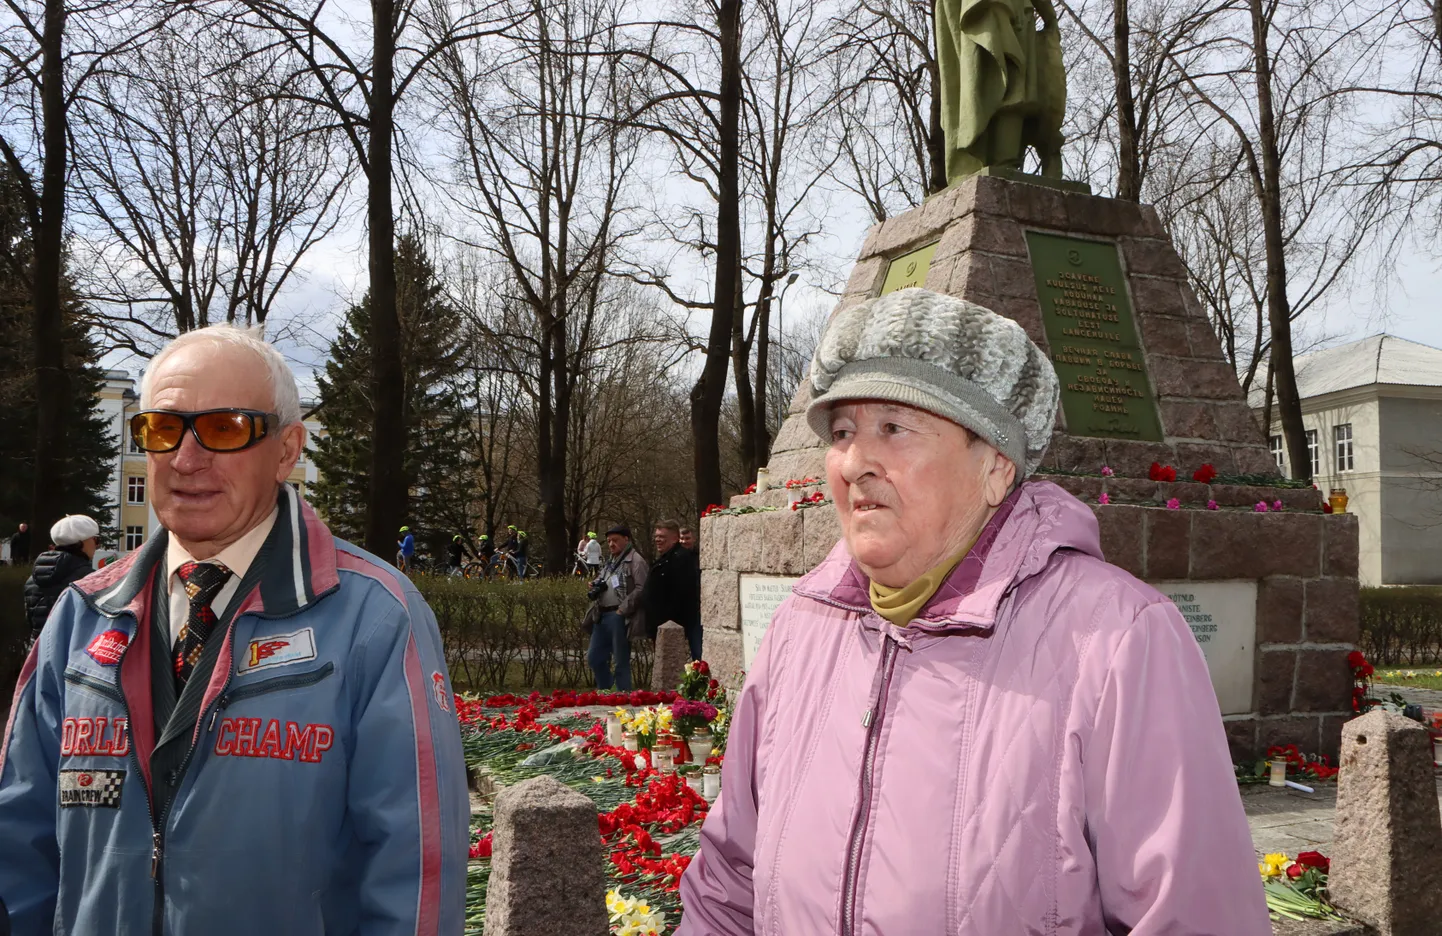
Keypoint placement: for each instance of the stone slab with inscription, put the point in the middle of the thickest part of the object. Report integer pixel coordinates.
(1223, 619)
(761, 595)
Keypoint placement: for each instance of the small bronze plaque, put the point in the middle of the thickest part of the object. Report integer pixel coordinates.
(908, 270)
(1105, 390)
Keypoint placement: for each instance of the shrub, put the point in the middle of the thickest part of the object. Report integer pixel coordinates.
(518, 635)
(1402, 626)
(14, 629)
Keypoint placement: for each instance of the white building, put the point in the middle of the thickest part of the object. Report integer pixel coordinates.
(134, 516)
(1373, 415)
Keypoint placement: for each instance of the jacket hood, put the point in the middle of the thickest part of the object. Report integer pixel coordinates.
(307, 571)
(1035, 521)
(59, 565)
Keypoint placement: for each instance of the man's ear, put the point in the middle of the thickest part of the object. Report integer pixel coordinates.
(292, 440)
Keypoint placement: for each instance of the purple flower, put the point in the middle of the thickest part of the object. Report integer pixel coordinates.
(1107, 471)
(1260, 508)
(685, 708)
(1174, 504)
(1277, 505)
(1105, 498)
(1211, 505)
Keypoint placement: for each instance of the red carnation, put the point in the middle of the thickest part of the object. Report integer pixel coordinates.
(1205, 474)
(1313, 859)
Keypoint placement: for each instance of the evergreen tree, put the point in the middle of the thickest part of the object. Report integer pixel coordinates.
(439, 469)
(91, 448)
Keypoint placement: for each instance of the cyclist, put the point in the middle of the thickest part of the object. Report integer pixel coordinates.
(520, 555)
(591, 555)
(455, 555)
(405, 550)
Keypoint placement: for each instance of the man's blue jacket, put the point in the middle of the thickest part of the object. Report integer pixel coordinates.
(322, 788)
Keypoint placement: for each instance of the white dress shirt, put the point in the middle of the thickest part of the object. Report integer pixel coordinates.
(236, 557)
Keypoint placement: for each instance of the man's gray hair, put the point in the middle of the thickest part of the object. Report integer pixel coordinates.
(285, 393)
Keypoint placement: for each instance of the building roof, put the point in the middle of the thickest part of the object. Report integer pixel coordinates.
(1379, 359)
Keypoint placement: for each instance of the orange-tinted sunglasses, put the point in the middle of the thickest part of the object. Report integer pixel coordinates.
(218, 430)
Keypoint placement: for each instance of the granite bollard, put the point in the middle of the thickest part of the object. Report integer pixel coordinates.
(672, 655)
(547, 865)
(1387, 854)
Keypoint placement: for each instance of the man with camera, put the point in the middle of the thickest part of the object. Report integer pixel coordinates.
(616, 614)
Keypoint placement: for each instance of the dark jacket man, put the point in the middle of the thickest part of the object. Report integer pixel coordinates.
(673, 589)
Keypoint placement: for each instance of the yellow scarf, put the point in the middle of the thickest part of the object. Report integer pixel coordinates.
(901, 605)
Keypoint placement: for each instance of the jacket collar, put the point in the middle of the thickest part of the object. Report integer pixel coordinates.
(1037, 520)
(301, 567)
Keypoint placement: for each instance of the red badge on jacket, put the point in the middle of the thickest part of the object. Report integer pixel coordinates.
(109, 647)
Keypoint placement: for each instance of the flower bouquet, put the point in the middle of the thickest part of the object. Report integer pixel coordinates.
(630, 917)
(690, 717)
(695, 680)
(1296, 889)
(646, 723)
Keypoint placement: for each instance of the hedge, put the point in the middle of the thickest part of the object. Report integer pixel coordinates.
(498, 635)
(522, 635)
(1402, 626)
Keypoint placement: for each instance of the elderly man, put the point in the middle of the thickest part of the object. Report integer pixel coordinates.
(246, 726)
(673, 587)
(618, 614)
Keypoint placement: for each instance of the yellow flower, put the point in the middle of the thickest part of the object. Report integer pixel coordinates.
(1274, 865)
(617, 905)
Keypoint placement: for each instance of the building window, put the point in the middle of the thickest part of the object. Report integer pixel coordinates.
(1343, 436)
(1279, 453)
(135, 490)
(1314, 452)
(134, 537)
(135, 448)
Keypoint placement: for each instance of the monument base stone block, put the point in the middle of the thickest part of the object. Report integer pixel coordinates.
(1095, 282)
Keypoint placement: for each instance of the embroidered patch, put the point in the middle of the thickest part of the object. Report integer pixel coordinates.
(279, 650)
(438, 689)
(94, 737)
(109, 647)
(257, 737)
(91, 788)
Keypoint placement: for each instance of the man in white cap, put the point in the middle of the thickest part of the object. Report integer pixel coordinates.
(76, 538)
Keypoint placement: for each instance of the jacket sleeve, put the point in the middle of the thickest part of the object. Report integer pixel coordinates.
(639, 571)
(716, 891)
(1163, 812)
(406, 795)
(29, 753)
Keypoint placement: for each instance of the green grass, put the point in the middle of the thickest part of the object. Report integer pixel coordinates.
(1421, 677)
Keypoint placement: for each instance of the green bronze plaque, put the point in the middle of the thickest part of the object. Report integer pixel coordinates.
(1105, 391)
(908, 270)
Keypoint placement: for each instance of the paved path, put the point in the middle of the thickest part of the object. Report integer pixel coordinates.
(1290, 821)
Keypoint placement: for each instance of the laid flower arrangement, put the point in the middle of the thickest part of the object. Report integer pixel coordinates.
(717, 510)
(1362, 672)
(794, 483)
(690, 717)
(815, 499)
(633, 917)
(1304, 766)
(1296, 888)
(646, 723)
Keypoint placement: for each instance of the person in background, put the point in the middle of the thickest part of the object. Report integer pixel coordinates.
(20, 545)
(619, 612)
(591, 555)
(688, 538)
(673, 587)
(455, 555)
(521, 554)
(485, 551)
(405, 550)
(259, 732)
(965, 720)
(76, 538)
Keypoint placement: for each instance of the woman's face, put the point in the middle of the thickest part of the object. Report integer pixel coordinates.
(912, 489)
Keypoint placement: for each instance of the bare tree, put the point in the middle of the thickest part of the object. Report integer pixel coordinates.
(359, 86)
(205, 187)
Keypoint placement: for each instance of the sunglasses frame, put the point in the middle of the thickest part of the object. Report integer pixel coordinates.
(258, 420)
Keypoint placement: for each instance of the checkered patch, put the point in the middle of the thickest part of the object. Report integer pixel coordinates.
(91, 788)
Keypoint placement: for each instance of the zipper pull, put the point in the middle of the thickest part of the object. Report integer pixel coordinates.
(155, 854)
(866, 719)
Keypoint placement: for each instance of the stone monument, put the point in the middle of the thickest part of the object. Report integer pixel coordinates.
(1096, 283)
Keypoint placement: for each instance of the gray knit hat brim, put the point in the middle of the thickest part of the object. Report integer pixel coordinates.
(927, 387)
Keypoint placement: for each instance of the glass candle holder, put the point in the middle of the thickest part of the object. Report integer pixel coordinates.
(710, 781)
(628, 741)
(613, 731)
(1279, 772)
(793, 496)
(763, 479)
(663, 758)
(700, 746)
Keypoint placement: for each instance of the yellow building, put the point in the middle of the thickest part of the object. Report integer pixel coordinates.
(133, 514)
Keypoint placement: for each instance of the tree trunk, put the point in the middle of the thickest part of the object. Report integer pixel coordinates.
(1129, 170)
(386, 508)
(761, 432)
(52, 382)
(1279, 313)
(553, 478)
(707, 395)
(746, 415)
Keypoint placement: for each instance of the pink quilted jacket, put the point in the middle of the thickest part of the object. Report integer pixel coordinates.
(1040, 752)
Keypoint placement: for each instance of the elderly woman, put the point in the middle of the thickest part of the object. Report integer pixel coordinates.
(964, 721)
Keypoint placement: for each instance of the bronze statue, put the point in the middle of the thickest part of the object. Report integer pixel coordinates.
(1003, 87)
